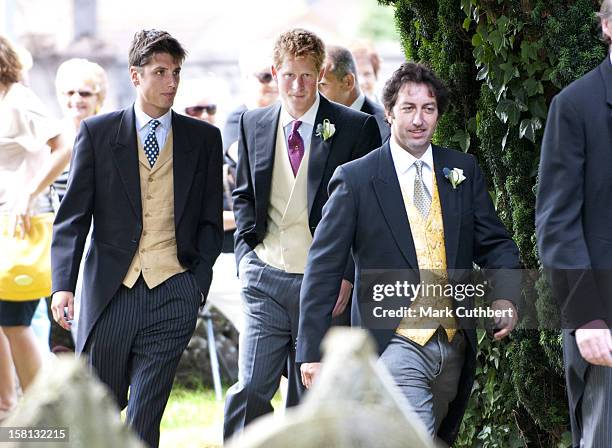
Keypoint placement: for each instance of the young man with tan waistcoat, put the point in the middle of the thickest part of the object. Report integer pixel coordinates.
(287, 153)
(151, 181)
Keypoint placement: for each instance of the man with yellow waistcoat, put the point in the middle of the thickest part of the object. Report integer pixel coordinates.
(287, 152)
(424, 211)
(151, 181)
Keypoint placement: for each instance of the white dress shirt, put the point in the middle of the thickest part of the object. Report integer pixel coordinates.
(142, 126)
(307, 126)
(406, 169)
(358, 103)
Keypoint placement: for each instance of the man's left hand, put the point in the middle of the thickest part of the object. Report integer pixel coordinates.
(508, 321)
(309, 371)
(343, 298)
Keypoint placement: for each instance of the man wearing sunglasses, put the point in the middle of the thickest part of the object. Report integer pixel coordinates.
(259, 90)
(204, 111)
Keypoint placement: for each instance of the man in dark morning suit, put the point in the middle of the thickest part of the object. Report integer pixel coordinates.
(573, 216)
(340, 84)
(151, 181)
(394, 209)
(287, 154)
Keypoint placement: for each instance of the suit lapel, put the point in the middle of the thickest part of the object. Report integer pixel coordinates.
(606, 73)
(367, 107)
(265, 149)
(185, 162)
(450, 203)
(389, 195)
(319, 151)
(125, 155)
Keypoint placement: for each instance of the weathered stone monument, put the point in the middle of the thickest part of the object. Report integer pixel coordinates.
(354, 403)
(66, 396)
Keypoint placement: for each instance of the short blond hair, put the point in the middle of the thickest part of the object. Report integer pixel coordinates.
(299, 43)
(78, 70)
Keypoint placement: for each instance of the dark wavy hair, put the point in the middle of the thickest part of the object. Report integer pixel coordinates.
(148, 42)
(10, 66)
(419, 74)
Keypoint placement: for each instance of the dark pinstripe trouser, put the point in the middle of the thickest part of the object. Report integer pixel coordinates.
(137, 344)
(271, 301)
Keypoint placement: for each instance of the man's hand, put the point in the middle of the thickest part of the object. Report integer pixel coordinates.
(595, 343)
(309, 371)
(60, 300)
(343, 298)
(506, 323)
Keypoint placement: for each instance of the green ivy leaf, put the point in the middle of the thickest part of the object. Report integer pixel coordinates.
(483, 73)
(528, 128)
(533, 87)
(537, 107)
(463, 138)
(496, 40)
(508, 111)
(477, 40)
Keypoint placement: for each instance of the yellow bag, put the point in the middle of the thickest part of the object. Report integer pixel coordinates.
(25, 264)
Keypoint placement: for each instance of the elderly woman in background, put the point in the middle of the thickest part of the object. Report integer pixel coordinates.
(32, 155)
(81, 87)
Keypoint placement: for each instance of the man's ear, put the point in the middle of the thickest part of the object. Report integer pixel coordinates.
(321, 73)
(349, 81)
(274, 73)
(134, 75)
(605, 27)
(389, 116)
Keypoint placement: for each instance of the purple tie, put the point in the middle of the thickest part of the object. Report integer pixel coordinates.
(296, 147)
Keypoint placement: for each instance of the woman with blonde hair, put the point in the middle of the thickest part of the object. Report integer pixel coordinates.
(32, 154)
(81, 87)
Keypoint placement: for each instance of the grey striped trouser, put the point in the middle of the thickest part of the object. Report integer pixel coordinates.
(137, 343)
(271, 299)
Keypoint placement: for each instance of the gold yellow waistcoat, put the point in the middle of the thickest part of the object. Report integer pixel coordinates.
(156, 257)
(428, 238)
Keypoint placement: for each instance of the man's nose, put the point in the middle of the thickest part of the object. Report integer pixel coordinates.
(417, 119)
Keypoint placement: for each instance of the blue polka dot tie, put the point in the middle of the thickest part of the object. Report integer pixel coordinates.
(151, 147)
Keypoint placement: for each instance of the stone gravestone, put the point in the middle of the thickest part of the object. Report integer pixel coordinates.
(354, 403)
(194, 368)
(66, 395)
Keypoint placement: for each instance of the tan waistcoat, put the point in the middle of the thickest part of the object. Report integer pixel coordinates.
(288, 239)
(428, 238)
(156, 257)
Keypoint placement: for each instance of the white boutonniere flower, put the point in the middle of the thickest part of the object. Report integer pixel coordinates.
(454, 176)
(325, 130)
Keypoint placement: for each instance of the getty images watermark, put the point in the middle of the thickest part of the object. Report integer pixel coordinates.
(390, 299)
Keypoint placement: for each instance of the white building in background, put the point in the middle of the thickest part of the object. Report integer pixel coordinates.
(213, 32)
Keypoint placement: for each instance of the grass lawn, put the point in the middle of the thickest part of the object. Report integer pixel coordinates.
(194, 419)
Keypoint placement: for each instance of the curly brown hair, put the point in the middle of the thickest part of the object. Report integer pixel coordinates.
(419, 74)
(148, 42)
(299, 43)
(10, 66)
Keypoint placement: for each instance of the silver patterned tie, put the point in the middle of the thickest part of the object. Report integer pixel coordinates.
(422, 198)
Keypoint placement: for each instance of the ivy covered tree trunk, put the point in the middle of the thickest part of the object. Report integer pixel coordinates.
(503, 61)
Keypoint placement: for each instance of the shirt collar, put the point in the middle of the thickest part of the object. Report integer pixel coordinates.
(403, 160)
(142, 119)
(308, 117)
(358, 103)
